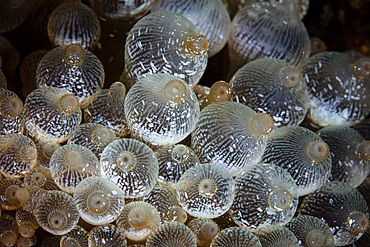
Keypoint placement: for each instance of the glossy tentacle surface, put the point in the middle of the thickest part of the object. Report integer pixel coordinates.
(226, 135)
(210, 17)
(265, 195)
(164, 47)
(161, 109)
(342, 207)
(274, 87)
(303, 154)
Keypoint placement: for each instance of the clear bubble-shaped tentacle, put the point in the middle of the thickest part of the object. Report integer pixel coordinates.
(40, 177)
(346, 103)
(231, 135)
(311, 231)
(210, 17)
(174, 160)
(163, 198)
(72, 68)
(74, 23)
(51, 114)
(93, 136)
(276, 236)
(76, 237)
(174, 34)
(11, 116)
(26, 222)
(161, 109)
(45, 150)
(56, 212)
(98, 200)
(8, 230)
(349, 163)
(18, 155)
(272, 86)
(265, 195)
(176, 213)
(303, 154)
(29, 196)
(130, 164)
(106, 107)
(138, 220)
(342, 207)
(268, 30)
(205, 190)
(8, 190)
(72, 163)
(23, 241)
(205, 230)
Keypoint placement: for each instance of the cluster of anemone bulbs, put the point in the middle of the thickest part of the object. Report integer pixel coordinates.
(275, 155)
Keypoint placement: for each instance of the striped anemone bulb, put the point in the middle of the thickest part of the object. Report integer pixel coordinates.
(174, 160)
(18, 154)
(231, 135)
(76, 237)
(303, 154)
(51, 114)
(235, 237)
(342, 207)
(74, 23)
(205, 190)
(72, 163)
(265, 195)
(93, 136)
(71, 68)
(338, 87)
(9, 230)
(350, 154)
(161, 109)
(311, 231)
(274, 87)
(11, 116)
(172, 234)
(130, 164)
(172, 37)
(209, 16)
(268, 29)
(98, 200)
